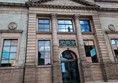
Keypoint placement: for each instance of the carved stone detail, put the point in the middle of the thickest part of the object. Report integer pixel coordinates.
(111, 27)
(12, 26)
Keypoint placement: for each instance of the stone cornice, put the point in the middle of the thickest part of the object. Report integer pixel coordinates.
(11, 31)
(12, 4)
(39, 1)
(108, 9)
(86, 3)
(111, 32)
(58, 6)
(64, 7)
(111, 1)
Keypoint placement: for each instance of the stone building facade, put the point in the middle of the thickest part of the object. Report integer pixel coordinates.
(56, 41)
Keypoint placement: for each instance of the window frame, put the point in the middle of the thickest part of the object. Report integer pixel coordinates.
(17, 53)
(73, 27)
(38, 50)
(97, 53)
(114, 56)
(44, 18)
(90, 24)
(67, 40)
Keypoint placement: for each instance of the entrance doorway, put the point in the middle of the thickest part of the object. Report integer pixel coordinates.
(69, 67)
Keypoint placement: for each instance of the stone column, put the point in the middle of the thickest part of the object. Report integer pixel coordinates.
(31, 51)
(85, 67)
(56, 67)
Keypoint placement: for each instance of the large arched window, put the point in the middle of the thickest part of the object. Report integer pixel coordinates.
(69, 67)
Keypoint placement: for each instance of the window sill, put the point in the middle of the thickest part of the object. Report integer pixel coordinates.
(67, 33)
(10, 67)
(111, 32)
(67, 46)
(88, 33)
(44, 66)
(11, 31)
(43, 32)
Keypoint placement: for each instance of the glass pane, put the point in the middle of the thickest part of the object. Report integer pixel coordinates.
(46, 26)
(47, 48)
(85, 28)
(46, 21)
(41, 43)
(43, 21)
(117, 42)
(5, 55)
(11, 61)
(47, 30)
(69, 28)
(12, 55)
(86, 43)
(41, 61)
(41, 48)
(4, 61)
(67, 43)
(7, 43)
(63, 68)
(84, 22)
(61, 26)
(113, 41)
(13, 49)
(61, 22)
(68, 22)
(42, 55)
(47, 55)
(88, 59)
(62, 30)
(6, 49)
(14, 42)
(47, 43)
(91, 43)
(41, 30)
(41, 26)
(47, 61)
(114, 47)
(93, 52)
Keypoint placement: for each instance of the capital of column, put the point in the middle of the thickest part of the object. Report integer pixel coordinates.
(77, 16)
(53, 15)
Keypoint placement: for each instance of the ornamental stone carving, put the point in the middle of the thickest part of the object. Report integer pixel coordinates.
(12, 26)
(111, 27)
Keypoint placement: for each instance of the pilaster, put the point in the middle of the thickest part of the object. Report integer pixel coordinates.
(57, 76)
(85, 67)
(31, 42)
(103, 52)
(30, 68)
(101, 45)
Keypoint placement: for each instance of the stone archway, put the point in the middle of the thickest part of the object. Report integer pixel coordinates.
(70, 72)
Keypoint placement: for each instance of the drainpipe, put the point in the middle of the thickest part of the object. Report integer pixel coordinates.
(26, 5)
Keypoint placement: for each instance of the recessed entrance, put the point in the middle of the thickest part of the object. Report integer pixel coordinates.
(69, 67)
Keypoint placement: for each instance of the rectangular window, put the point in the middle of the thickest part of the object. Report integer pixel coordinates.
(65, 26)
(114, 43)
(85, 26)
(91, 55)
(43, 25)
(9, 52)
(67, 43)
(44, 52)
